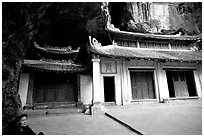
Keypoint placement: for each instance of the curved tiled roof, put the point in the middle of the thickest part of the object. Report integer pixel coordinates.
(54, 66)
(56, 50)
(134, 35)
(116, 51)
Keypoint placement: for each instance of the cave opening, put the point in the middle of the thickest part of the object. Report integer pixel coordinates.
(116, 10)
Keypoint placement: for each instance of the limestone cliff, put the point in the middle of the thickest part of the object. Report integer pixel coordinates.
(157, 16)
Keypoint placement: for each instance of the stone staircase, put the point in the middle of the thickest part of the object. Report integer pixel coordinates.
(55, 108)
(72, 109)
(55, 111)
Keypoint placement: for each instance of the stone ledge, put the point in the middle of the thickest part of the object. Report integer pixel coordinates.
(97, 109)
(123, 123)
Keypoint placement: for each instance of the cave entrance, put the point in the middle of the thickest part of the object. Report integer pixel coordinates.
(116, 10)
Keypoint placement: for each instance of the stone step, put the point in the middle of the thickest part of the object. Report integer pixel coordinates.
(51, 105)
(58, 111)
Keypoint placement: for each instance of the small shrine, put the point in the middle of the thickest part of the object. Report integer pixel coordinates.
(54, 79)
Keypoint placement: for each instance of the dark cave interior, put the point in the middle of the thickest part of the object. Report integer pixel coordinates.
(116, 9)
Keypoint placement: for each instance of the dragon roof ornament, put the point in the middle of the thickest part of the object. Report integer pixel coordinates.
(94, 42)
(56, 50)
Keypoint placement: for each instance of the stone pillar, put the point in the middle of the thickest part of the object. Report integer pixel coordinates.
(97, 107)
(96, 81)
(156, 86)
(124, 81)
(162, 82)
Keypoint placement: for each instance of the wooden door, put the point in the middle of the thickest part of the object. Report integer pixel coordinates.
(60, 92)
(180, 84)
(71, 91)
(38, 91)
(49, 90)
(142, 85)
(54, 88)
(38, 95)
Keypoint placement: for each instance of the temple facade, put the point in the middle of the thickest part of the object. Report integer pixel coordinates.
(135, 71)
(146, 63)
(135, 67)
(55, 80)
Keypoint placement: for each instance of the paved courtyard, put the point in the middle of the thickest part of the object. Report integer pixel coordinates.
(78, 124)
(174, 118)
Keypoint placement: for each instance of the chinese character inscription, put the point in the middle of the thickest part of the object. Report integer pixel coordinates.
(108, 67)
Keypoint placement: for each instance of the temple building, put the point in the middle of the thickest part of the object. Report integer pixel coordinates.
(55, 80)
(137, 68)
(143, 63)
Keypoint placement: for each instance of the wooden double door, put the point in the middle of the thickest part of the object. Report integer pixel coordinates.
(50, 88)
(142, 85)
(181, 84)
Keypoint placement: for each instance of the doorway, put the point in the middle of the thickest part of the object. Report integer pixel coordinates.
(50, 88)
(142, 85)
(109, 89)
(181, 84)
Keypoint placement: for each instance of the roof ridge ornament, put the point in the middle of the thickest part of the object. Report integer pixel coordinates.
(94, 42)
(114, 43)
(70, 62)
(56, 50)
(112, 27)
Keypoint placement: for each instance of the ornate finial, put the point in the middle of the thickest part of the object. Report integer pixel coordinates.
(95, 57)
(194, 46)
(94, 42)
(114, 43)
(112, 27)
(70, 62)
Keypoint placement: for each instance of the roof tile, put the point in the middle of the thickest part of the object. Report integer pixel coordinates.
(135, 53)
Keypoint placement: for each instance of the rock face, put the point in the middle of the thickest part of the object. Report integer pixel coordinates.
(154, 17)
(185, 16)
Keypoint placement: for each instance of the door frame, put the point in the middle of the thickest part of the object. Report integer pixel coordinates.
(180, 82)
(30, 96)
(183, 70)
(154, 83)
(113, 91)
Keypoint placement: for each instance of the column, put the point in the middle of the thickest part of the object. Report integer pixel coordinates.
(124, 79)
(96, 81)
(162, 82)
(123, 97)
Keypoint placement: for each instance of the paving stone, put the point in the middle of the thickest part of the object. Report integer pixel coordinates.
(79, 124)
(176, 118)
